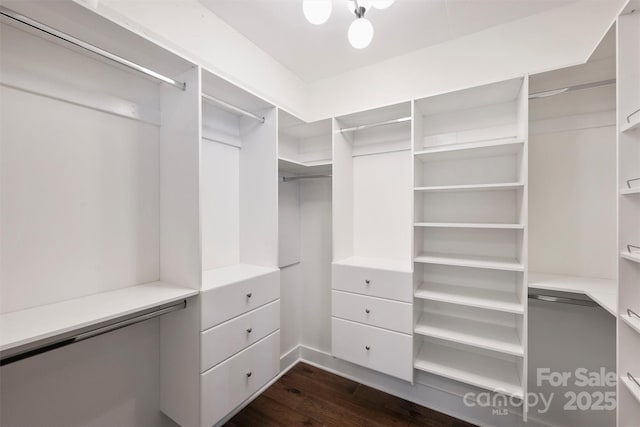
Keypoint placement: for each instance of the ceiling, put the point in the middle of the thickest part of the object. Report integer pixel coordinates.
(312, 52)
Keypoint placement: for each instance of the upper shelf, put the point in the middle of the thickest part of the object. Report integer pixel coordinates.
(602, 291)
(322, 167)
(23, 327)
(472, 187)
(489, 148)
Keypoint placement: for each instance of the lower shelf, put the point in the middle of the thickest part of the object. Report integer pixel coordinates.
(474, 261)
(471, 297)
(478, 370)
(631, 387)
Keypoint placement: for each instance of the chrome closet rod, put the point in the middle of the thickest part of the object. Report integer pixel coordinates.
(296, 178)
(558, 91)
(214, 100)
(87, 46)
(562, 300)
(84, 334)
(372, 125)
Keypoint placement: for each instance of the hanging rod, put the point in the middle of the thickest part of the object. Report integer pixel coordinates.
(558, 91)
(232, 107)
(296, 178)
(86, 46)
(373, 125)
(84, 334)
(562, 300)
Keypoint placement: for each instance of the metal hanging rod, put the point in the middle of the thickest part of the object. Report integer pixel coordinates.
(630, 247)
(632, 313)
(629, 181)
(214, 100)
(632, 378)
(84, 334)
(373, 125)
(296, 178)
(563, 300)
(558, 91)
(89, 47)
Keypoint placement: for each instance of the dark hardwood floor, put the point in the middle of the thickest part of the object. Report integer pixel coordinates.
(308, 396)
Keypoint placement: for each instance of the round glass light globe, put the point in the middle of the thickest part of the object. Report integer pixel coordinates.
(317, 11)
(360, 33)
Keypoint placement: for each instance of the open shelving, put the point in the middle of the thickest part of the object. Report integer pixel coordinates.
(303, 148)
(470, 231)
(475, 368)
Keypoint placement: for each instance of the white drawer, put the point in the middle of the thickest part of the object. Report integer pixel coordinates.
(226, 302)
(383, 313)
(230, 383)
(396, 285)
(378, 349)
(228, 338)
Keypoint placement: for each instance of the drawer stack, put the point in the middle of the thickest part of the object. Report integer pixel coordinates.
(240, 340)
(372, 318)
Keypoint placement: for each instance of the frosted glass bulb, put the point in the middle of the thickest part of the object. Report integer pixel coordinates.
(316, 11)
(382, 4)
(360, 33)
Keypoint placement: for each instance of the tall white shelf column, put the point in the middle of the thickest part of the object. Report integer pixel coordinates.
(629, 215)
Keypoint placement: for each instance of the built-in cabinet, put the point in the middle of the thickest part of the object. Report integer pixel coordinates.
(628, 112)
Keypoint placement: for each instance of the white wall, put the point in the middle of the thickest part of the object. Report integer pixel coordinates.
(111, 380)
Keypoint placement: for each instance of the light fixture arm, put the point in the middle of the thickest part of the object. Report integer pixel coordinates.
(359, 11)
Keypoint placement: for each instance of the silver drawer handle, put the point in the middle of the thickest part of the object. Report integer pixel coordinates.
(248, 374)
(249, 295)
(249, 330)
(367, 347)
(366, 310)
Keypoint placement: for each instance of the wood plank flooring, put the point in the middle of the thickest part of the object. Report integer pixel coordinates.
(308, 396)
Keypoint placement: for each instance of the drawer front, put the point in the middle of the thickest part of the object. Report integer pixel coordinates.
(223, 303)
(388, 352)
(394, 285)
(383, 313)
(228, 338)
(230, 383)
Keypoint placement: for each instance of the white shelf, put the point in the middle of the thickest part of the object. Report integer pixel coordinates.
(472, 187)
(224, 276)
(487, 148)
(632, 322)
(634, 125)
(473, 261)
(469, 225)
(630, 191)
(322, 167)
(631, 256)
(470, 368)
(603, 291)
(631, 387)
(487, 336)
(23, 327)
(375, 263)
(471, 297)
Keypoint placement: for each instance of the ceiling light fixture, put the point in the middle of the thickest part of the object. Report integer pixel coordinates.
(360, 32)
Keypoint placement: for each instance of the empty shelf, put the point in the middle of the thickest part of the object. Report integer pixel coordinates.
(631, 387)
(471, 187)
(488, 148)
(632, 322)
(471, 297)
(470, 368)
(631, 256)
(321, 167)
(487, 336)
(474, 261)
(630, 191)
(23, 327)
(469, 225)
(602, 291)
(376, 263)
(232, 274)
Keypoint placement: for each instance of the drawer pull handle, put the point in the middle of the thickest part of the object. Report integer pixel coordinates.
(366, 310)
(367, 347)
(367, 281)
(248, 374)
(249, 330)
(249, 295)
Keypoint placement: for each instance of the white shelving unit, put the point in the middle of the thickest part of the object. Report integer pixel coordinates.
(628, 68)
(470, 227)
